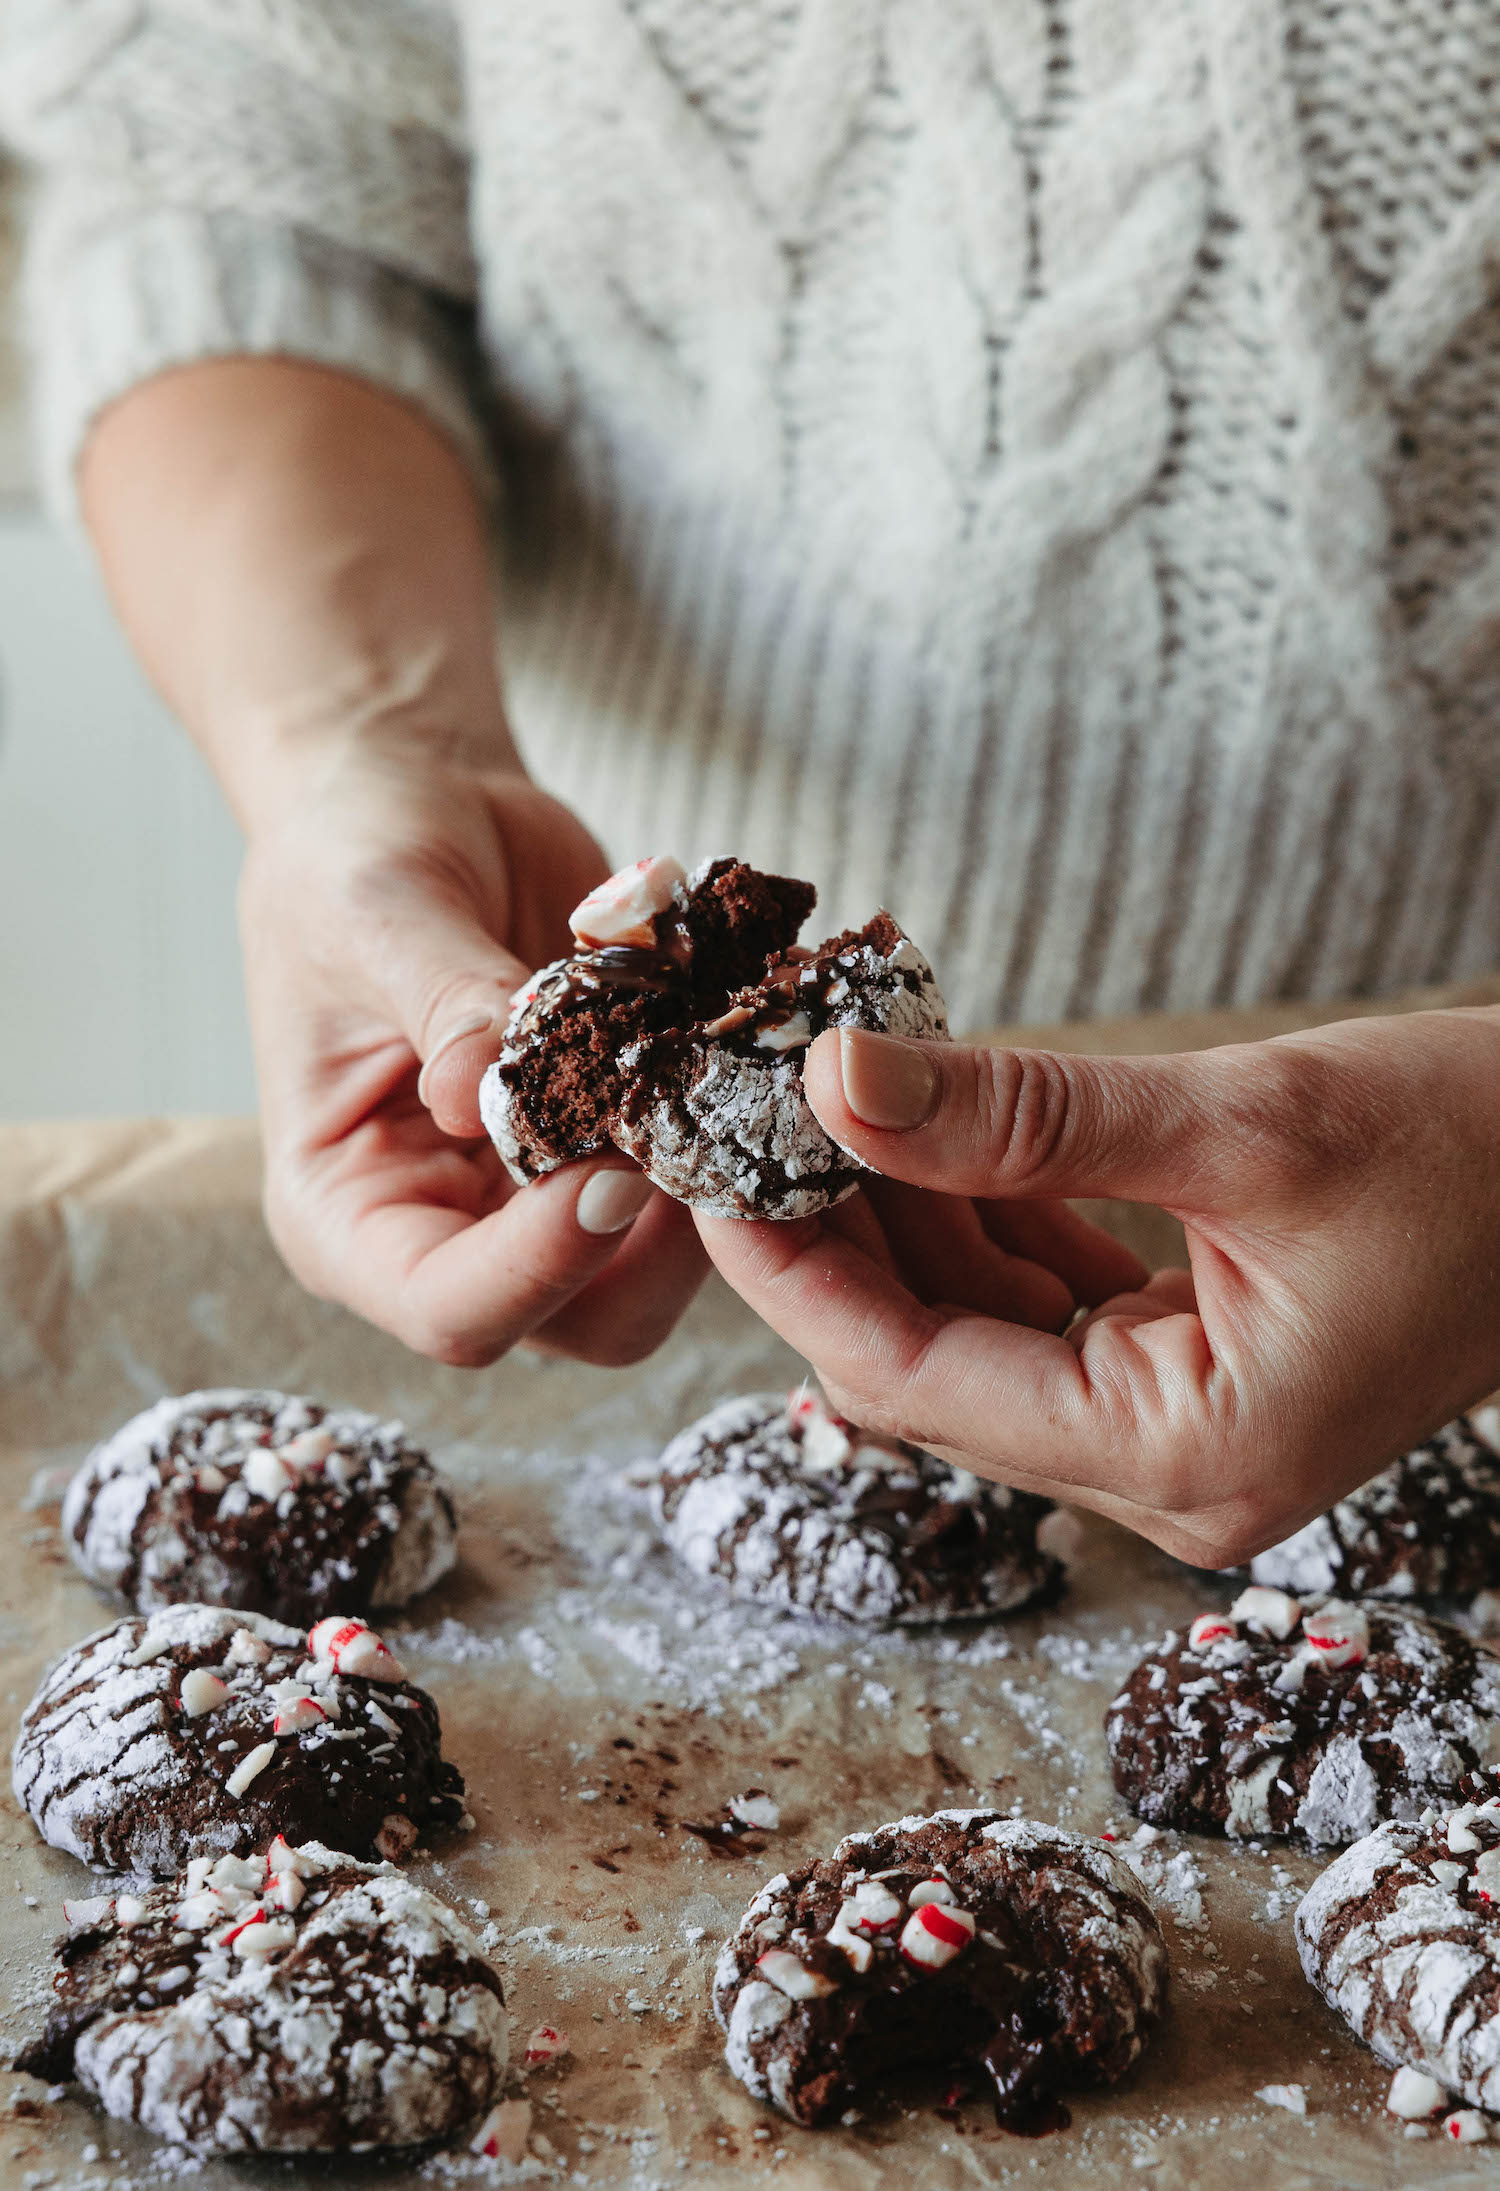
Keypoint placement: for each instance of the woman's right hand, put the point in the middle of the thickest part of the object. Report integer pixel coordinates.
(388, 911)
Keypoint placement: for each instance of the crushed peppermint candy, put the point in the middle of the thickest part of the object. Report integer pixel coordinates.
(202, 1691)
(545, 2044)
(1292, 2097)
(250, 1766)
(624, 909)
(1414, 2095)
(935, 1933)
(791, 1976)
(352, 1647)
(1466, 2126)
(1276, 1611)
(755, 1808)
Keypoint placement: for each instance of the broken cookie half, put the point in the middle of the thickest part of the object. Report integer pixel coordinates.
(677, 1032)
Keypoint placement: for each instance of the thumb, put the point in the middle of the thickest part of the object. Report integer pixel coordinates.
(449, 985)
(1177, 1131)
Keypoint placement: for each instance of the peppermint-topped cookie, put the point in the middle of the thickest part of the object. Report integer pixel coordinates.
(677, 1031)
(197, 1731)
(1017, 1955)
(261, 1500)
(1275, 1718)
(1401, 1934)
(293, 2002)
(789, 1504)
(1426, 1527)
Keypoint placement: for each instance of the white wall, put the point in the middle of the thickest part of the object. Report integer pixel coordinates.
(119, 968)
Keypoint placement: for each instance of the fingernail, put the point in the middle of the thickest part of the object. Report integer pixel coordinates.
(609, 1201)
(887, 1083)
(477, 1023)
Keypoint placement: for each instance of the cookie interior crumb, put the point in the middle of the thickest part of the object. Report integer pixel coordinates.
(722, 937)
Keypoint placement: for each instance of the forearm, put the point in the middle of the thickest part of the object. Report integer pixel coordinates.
(300, 562)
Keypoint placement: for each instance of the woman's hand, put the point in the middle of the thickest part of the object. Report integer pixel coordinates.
(302, 564)
(387, 917)
(1341, 1195)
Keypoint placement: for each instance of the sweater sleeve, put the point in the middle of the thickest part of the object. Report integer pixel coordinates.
(223, 177)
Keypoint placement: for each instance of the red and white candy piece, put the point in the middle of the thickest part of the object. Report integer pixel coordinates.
(91, 1911)
(1414, 2095)
(202, 1691)
(250, 1767)
(1486, 1875)
(267, 1475)
(286, 1890)
(354, 1648)
(1337, 1635)
(1466, 2126)
(296, 1711)
(255, 1941)
(281, 1857)
(545, 2045)
(397, 1837)
(130, 1909)
(1210, 1628)
(844, 1935)
(935, 1933)
(624, 910)
(873, 1908)
(791, 1976)
(503, 2133)
(307, 1452)
(1276, 1611)
(930, 1891)
(1462, 1840)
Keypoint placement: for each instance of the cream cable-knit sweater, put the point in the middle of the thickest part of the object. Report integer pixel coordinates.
(1035, 463)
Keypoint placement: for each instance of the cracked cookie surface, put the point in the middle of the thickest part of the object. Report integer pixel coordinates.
(262, 1500)
(1320, 1720)
(298, 2002)
(1016, 1956)
(197, 1730)
(788, 1504)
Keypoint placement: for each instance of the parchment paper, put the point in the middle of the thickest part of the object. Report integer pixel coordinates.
(600, 1702)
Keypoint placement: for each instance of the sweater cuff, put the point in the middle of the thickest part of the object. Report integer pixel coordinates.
(168, 286)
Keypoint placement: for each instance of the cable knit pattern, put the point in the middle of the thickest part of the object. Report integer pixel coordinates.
(1035, 463)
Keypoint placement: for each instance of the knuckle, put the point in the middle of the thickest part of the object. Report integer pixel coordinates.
(1024, 1101)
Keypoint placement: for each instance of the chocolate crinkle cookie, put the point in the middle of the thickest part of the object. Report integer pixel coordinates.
(1015, 1955)
(677, 1031)
(261, 1500)
(1401, 1935)
(195, 1731)
(294, 2002)
(787, 1503)
(1275, 1718)
(1427, 1527)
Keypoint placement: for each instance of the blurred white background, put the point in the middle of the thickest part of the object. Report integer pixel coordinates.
(119, 968)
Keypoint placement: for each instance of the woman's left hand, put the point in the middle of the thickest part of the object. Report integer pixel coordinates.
(1340, 1191)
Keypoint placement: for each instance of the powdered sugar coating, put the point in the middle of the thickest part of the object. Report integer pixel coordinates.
(1060, 1951)
(739, 1139)
(373, 2022)
(710, 1107)
(164, 1512)
(113, 1767)
(894, 1535)
(1426, 1527)
(1401, 1935)
(1258, 1734)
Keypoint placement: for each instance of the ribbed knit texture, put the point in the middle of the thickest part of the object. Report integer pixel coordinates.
(1032, 463)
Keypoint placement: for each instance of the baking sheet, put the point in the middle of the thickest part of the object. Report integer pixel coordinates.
(600, 1703)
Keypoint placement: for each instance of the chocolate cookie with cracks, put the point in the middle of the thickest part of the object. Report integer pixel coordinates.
(676, 1033)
